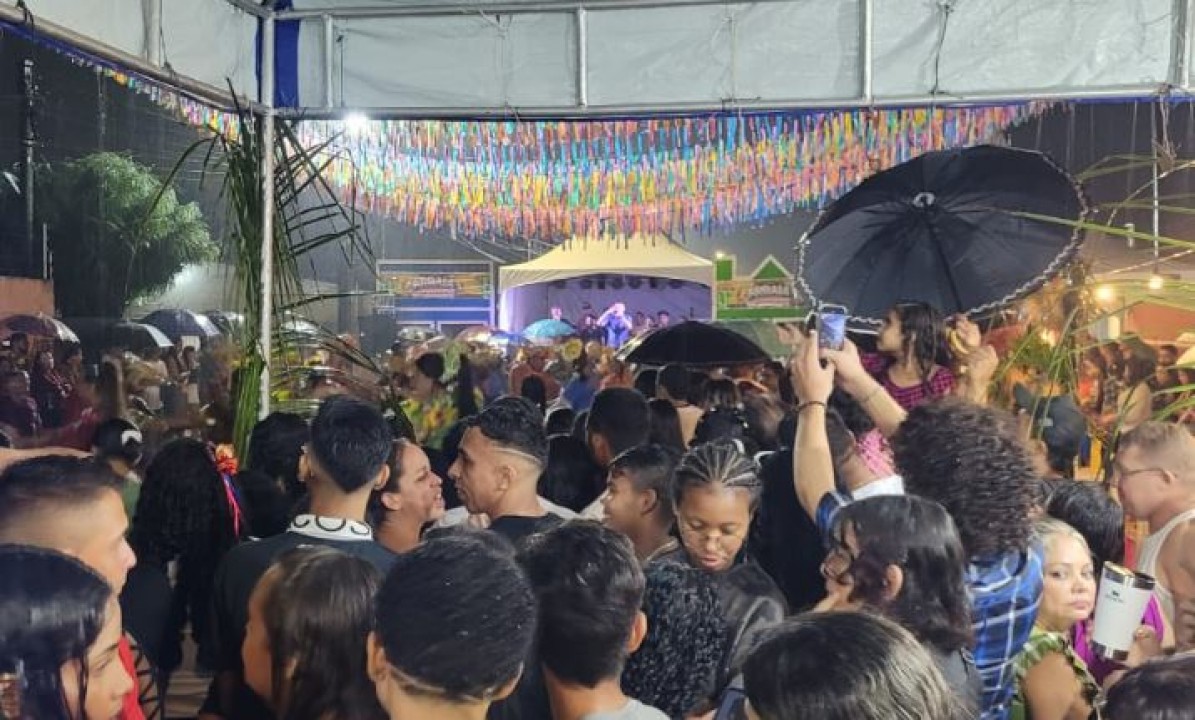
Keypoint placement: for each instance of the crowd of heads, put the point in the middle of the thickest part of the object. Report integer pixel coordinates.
(649, 594)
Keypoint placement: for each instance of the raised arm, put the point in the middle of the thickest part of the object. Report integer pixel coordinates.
(813, 463)
(855, 381)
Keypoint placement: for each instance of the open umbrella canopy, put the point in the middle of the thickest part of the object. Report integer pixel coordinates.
(179, 323)
(693, 343)
(135, 336)
(948, 229)
(37, 326)
(227, 322)
(761, 332)
(548, 331)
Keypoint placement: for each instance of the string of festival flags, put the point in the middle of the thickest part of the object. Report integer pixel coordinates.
(552, 180)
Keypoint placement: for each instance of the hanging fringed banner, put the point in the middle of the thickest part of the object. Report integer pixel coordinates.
(550, 180)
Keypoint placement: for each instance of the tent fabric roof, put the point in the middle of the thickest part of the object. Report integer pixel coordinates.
(650, 256)
(521, 58)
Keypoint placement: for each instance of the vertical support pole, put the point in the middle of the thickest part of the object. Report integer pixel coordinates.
(1180, 43)
(329, 58)
(28, 170)
(582, 57)
(153, 33)
(267, 207)
(1156, 214)
(867, 51)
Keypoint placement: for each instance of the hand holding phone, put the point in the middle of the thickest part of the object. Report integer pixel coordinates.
(831, 326)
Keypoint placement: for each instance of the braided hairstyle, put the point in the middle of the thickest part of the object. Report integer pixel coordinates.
(717, 463)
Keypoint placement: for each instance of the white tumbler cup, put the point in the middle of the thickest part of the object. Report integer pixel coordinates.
(1123, 597)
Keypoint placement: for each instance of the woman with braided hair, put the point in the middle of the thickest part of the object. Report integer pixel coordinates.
(715, 492)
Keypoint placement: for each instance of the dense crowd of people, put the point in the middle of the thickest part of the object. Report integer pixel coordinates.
(848, 536)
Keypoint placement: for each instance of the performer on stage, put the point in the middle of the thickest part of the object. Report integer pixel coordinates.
(617, 325)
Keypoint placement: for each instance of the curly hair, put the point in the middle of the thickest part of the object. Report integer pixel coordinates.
(917, 536)
(686, 639)
(183, 514)
(969, 459)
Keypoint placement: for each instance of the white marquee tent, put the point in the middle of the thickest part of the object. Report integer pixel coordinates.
(555, 58)
(649, 257)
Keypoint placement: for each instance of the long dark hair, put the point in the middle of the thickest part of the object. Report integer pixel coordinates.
(919, 537)
(317, 607)
(922, 334)
(184, 514)
(52, 608)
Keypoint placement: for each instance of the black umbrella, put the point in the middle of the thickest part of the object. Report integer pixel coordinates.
(178, 323)
(693, 343)
(136, 336)
(944, 229)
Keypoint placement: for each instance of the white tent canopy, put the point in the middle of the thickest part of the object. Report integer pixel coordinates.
(652, 257)
(529, 289)
(556, 57)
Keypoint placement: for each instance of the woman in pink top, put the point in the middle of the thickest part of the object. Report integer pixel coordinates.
(1088, 508)
(911, 355)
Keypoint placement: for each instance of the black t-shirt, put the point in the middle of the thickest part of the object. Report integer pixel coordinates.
(784, 540)
(238, 574)
(517, 528)
(530, 699)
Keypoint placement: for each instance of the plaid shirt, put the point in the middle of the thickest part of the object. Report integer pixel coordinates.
(1005, 594)
(940, 385)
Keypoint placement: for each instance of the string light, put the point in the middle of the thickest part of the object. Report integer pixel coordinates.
(1105, 293)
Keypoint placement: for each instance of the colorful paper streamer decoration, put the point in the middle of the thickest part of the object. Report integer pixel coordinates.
(551, 180)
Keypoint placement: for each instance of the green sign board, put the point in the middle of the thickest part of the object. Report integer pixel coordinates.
(766, 294)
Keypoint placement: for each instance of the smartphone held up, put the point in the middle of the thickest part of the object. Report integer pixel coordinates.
(831, 326)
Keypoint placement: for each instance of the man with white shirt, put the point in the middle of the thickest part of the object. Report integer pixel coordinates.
(1154, 473)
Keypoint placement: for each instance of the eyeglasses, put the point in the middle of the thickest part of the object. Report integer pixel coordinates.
(1119, 474)
(729, 540)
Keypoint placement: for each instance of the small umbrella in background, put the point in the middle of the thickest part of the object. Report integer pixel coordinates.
(136, 336)
(548, 331)
(230, 324)
(693, 343)
(37, 326)
(179, 323)
(946, 228)
(479, 334)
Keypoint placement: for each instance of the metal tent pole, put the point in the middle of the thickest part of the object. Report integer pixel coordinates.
(267, 207)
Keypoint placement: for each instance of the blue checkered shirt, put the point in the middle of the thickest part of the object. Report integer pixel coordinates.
(1005, 593)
